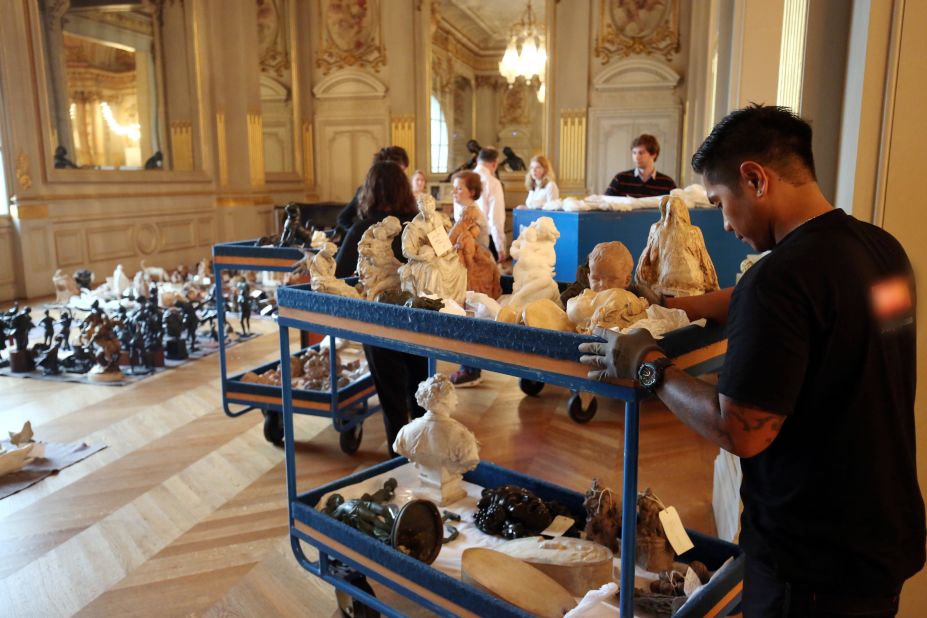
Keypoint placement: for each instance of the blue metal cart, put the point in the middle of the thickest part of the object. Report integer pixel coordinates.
(347, 557)
(347, 406)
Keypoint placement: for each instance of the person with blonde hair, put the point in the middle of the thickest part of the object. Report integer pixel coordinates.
(540, 183)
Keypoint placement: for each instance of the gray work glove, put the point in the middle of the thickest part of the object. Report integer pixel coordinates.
(619, 356)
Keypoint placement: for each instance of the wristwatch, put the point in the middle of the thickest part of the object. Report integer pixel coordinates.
(650, 374)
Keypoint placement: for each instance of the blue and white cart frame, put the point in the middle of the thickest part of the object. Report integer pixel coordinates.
(348, 406)
(528, 353)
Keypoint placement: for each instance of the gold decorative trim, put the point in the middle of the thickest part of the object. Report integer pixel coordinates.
(573, 146)
(308, 155)
(350, 36)
(182, 146)
(402, 133)
(25, 212)
(234, 202)
(626, 28)
(256, 148)
(223, 154)
(22, 171)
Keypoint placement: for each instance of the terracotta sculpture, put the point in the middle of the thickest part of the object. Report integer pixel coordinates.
(441, 448)
(322, 271)
(65, 287)
(675, 261)
(482, 270)
(428, 272)
(107, 348)
(535, 258)
(607, 304)
(377, 266)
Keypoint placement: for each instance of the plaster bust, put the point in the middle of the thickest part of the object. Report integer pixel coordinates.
(441, 448)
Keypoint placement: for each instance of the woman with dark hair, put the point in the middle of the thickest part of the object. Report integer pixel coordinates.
(387, 191)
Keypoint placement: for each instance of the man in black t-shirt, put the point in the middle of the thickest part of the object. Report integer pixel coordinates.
(643, 180)
(817, 391)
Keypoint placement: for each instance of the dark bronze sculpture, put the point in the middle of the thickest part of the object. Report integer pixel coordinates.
(512, 161)
(155, 161)
(83, 278)
(61, 159)
(294, 234)
(48, 359)
(473, 147)
(48, 324)
(416, 529)
(64, 321)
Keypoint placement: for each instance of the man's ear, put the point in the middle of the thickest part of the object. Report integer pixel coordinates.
(754, 176)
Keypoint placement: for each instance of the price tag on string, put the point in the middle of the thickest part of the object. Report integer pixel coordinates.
(675, 532)
(439, 241)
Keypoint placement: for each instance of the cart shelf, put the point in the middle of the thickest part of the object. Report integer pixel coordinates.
(347, 406)
(525, 352)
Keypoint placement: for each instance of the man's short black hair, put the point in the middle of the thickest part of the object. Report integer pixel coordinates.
(488, 155)
(394, 154)
(768, 134)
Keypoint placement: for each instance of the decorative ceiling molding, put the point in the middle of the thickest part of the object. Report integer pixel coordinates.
(636, 74)
(350, 84)
(646, 27)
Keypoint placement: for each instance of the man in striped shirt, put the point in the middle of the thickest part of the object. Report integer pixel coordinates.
(644, 180)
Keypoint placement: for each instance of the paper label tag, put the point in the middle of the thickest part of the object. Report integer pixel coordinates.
(559, 526)
(675, 532)
(439, 241)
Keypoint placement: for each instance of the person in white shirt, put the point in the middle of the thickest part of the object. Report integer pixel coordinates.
(492, 201)
(540, 183)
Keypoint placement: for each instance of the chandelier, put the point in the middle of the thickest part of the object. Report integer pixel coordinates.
(526, 54)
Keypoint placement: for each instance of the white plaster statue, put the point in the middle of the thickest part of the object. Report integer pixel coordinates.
(377, 266)
(322, 271)
(65, 287)
(427, 273)
(675, 261)
(120, 282)
(545, 313)
(318, 239)
(533, 272)
(155, 273)
(14, 458)
(441, 448)
(141, 284)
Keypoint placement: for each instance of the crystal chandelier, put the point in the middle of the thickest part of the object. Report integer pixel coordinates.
(526, 54)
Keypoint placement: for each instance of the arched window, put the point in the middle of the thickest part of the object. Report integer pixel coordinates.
(439, 138)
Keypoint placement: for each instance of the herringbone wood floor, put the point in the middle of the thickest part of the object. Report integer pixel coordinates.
(185, 513)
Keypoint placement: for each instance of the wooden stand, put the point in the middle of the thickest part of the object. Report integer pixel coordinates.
(21, 361)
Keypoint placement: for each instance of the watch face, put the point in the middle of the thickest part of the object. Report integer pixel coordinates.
(647, 375)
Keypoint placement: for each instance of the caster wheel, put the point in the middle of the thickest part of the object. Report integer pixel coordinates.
(576, 411)
(530, 387)
(273, 427)
(351, 607)
(350, 440)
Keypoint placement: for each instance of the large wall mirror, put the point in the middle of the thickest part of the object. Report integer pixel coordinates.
(119, 98)
(470, 98)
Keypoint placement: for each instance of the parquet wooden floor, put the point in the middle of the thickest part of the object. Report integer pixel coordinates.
(184, 514)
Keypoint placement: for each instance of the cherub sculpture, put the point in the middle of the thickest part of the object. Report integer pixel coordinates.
(441, 448)
(377, 266)
(607, 303)
(433, 267)
(675, 261)
(322, 271)
(535, 257)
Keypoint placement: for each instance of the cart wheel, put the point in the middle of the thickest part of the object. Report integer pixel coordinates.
(350, 440)
(576, 411)
(351, 607)
(273, 427)
(530, 387)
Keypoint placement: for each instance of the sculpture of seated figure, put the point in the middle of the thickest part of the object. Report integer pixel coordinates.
(607, 303)
(65, 287)
(675, 261)
(377, 266)
(533, 272)
(294, 234)
(428, 273)
(322, 271)
(482, 270)
(441, 448)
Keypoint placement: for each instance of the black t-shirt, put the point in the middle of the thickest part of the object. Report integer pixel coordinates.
(822, 331)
